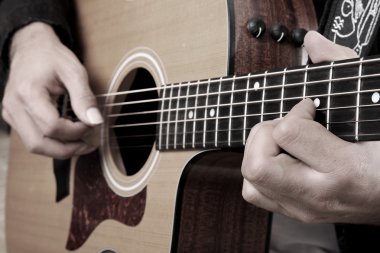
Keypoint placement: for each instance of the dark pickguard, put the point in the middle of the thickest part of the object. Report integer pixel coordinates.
(95, 202)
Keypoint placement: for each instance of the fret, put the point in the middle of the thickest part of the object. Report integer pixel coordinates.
(329, 97)
(211, 112)
(168, 117)
(317, 88)
(189, 114)
(282, 93)
(205, 114)
(358, 101)
(238, 115)
(201, 109)
(224, 118)
(305, 81)
(272, 105)
(162, 101)
(263, 96)
(295, 88)
(231, 103)
(217, 113)
(256, 93)
(342, 121)
(195, 114)
(369, 115)
(245, 110)
(177, 129)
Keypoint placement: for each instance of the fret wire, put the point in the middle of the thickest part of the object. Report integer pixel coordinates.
(169, 120)
(205, 122)
(255, 102)
(231, 102)
(161, 118)
(250, 115)
(358, 101)
(217, 113)
(305, 81)
(176, 117)
(320, 67)
(185, 117)
(245, 110)
(263, 97)
(282, 93)
(195, 113)
(329, 96)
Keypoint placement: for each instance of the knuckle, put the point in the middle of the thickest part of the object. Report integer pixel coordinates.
(249, 195)
(50, 129)
(256, 172)
(286, 131)
(35, 146)
(307, 217)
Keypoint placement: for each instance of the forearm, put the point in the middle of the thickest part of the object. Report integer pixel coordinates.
(15, 14)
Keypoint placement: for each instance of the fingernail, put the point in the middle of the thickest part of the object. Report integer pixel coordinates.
(94, 116)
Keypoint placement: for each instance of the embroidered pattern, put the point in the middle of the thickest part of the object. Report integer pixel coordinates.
(355, 23)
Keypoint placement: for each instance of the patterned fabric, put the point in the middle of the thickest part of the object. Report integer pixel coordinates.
(353, 23)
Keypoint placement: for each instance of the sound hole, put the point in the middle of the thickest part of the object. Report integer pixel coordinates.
(132, 135)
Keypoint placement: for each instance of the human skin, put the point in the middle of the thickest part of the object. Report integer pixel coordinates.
(41, 69)
(295, 167)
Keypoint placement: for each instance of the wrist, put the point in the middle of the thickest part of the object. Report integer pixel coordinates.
(31, 36)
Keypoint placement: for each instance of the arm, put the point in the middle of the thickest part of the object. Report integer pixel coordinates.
(294, 166)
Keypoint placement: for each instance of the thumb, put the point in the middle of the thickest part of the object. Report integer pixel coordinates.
(83, 100)
(321, 49)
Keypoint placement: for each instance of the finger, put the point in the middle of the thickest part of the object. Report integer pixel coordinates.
(260, 148)
(36, 143)
(306, 139)
(83, 101)
(321, 49)
(46, 117)
(253, 196)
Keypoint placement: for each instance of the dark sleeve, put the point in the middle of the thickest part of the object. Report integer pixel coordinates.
(15, 14)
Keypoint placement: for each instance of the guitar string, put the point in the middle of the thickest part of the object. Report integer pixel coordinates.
(302, 69)
(225, 92)
(376, 120)
(289, 85)
(242, 103)
(235, 116)
(239, 142)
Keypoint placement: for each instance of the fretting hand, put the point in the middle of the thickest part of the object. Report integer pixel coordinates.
(296, 167)
(42, 68)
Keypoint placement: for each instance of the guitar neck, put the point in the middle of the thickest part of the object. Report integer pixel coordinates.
(219, 112)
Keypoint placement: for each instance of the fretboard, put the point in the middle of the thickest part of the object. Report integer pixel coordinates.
(220, 112)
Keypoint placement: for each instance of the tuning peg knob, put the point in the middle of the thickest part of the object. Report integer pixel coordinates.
(279, 32)
(298, 35)
(256, 27)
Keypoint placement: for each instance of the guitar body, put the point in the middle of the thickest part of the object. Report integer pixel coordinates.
(184, 201)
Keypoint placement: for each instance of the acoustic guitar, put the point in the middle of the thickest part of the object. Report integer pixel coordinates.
(171, 78)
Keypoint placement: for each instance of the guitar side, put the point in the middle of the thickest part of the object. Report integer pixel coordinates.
(192, 40)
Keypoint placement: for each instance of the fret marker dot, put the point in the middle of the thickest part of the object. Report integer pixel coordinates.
(190, 115)
(375, 97)
(256, 86)
(212, 112)
(317, 102)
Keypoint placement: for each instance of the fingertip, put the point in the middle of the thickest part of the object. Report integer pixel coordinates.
(304, 109)
(94, 116)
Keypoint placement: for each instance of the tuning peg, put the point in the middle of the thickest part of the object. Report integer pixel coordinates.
(256, 27)
(298, 35)
(279, 32)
